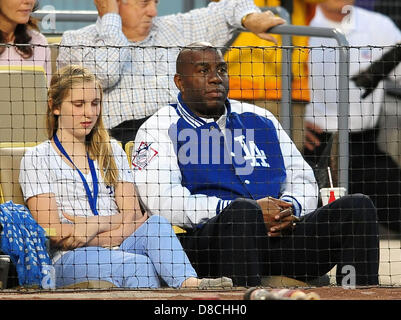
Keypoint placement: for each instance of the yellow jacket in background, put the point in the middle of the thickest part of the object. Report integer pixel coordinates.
(255, 73)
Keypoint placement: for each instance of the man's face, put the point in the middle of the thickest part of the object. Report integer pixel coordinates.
(137, 15)
(203, 81)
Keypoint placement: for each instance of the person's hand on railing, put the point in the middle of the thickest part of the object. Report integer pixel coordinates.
(106, 6)
(260, 22)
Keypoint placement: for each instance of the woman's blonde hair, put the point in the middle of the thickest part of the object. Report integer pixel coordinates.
(98, 140)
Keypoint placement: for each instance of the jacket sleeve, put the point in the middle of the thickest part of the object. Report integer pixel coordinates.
(300, 187)
(104, 52)
(158, 180)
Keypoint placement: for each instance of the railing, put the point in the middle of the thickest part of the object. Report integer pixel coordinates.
(286, 85)
(343, 87)
(286, 72)
(65, 15)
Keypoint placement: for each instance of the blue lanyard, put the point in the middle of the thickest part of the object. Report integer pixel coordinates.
(91, 199)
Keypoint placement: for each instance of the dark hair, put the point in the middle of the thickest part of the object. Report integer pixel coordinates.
(22, 37)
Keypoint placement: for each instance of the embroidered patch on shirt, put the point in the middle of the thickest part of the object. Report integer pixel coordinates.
(143, 156)
(366, 53)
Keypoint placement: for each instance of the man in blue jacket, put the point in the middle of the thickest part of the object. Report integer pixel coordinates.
(228, 174)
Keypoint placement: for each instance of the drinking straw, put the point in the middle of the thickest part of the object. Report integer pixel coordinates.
(330, 179)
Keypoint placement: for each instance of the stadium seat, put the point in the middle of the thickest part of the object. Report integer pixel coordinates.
(52, 40)
(10, 158)
(23, 103)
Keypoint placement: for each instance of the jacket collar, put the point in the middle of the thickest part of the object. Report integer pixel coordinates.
(185, 112)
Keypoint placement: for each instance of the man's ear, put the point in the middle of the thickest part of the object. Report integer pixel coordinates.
(178, 82)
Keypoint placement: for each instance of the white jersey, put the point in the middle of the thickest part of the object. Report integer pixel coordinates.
(43, 171)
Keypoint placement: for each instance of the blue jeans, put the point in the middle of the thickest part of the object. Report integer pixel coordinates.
(150, 253)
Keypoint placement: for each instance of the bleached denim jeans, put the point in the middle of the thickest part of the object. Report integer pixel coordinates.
(150, 253)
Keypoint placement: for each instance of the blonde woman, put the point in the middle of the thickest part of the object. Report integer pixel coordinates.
(79, 184)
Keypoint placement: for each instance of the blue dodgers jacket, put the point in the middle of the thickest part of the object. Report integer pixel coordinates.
(188, 169)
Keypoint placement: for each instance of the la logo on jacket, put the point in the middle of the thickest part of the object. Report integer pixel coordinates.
(252, 152)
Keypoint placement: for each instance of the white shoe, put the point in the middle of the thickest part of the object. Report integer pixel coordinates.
(222, 282)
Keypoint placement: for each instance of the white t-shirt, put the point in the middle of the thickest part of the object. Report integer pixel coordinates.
(362, 29)
(44, 171)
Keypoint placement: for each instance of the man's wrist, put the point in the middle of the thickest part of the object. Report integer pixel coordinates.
(296, 206)
(244, 19)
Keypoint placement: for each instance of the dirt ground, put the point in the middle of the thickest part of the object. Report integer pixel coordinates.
(389, 289)
(325, 293)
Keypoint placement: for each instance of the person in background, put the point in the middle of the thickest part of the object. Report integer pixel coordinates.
(228, 174)
(371, 171)
(78, 184)
(21, 43)
(133, 52)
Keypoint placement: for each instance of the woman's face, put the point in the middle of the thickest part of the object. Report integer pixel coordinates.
(79, 111)
(14, 12)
